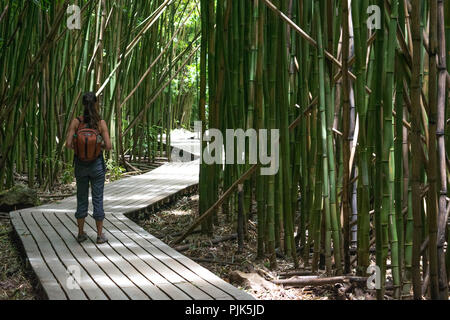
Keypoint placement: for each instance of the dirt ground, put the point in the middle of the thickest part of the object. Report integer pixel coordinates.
(224, 260)
(16, 281)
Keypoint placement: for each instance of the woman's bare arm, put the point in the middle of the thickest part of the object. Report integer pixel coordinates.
(105, 134)
(70, 133)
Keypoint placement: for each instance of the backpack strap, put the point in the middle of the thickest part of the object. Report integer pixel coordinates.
(81, 120)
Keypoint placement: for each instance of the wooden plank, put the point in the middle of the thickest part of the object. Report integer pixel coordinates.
(145, 198)
(46, 278)
(150, 290)
(189, 264)
(96, 273)
(125, 190)
(88, 284)
(52, 260)
(143, 201)
(139, 185)
(171, 259)
(166, 274)
(143, 262)
(110, 264)
(132, 182)
(121, 203)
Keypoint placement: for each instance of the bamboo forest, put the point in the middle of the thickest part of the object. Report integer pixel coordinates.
(351, 96)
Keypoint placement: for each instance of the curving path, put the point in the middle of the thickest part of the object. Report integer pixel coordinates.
(134, 264)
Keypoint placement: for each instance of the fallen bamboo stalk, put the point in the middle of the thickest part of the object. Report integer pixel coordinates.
(215, 261)
(318, 281)
(296, 273)
(133, 168)
(51, 196)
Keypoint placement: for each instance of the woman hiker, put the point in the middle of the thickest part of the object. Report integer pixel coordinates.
(88, 136)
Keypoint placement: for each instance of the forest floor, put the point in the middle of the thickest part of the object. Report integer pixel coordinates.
(224, 260)
(16, 280)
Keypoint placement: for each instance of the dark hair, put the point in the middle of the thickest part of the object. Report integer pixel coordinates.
(91, 115)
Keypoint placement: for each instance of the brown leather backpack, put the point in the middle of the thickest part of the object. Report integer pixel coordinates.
(87, 142)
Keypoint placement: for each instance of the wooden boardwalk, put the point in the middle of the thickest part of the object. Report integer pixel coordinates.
(134, 264)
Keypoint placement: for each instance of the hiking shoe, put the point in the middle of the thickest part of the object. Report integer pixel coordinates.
(102, 239)
(82, 237)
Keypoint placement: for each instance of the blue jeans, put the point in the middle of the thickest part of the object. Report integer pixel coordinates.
(93, 173)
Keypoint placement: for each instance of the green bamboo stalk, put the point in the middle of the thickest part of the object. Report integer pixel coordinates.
(388, 145)
(323, 137)
(432, 207)
(360, 38)
(441, 107)
(346, 132)
(416, 148)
